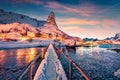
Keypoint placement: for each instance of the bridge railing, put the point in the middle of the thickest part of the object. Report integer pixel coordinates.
(72, 64)
(29, 70)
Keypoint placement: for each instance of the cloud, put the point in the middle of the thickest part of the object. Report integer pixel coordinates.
(53, 5)
(95, 28)
(37, 2)
(90, 22)
(77, 21)
(82, 9)
(110, 22)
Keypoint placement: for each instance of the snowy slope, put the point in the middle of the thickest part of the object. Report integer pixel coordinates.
(10, 17)
(17, 27)
(51, 29)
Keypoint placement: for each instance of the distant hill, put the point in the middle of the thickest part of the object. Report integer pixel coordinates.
(11, 17)
(116, 37)
(90, 39)
(109, 38)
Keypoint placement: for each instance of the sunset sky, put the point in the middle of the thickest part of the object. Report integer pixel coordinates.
(82, 18)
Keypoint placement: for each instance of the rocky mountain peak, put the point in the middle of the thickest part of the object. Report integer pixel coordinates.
(51, 20)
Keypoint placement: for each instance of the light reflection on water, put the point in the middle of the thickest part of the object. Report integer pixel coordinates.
(13, 61)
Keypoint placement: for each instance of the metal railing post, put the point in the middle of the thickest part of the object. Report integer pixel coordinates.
(71, 62)
(30, 72)
(70, 71)
(77, 67)
(29, 68)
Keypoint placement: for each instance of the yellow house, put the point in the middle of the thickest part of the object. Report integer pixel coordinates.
(45, 35)
(2, 35)
(30, 34)
(59, 38)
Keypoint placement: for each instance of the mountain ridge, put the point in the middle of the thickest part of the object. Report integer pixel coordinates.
(49, 30)
(11, 17)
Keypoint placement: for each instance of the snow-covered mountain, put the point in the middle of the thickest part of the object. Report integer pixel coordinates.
(50, 27)
(117, 36)
(11, 17)
(50, 30)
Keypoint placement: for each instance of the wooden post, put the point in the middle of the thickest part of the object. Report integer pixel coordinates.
(70, 71)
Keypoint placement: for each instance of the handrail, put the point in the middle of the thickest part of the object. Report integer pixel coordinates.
(76, 66)
(31, 63)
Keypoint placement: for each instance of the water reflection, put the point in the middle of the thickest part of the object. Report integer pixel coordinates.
(79, 52)
(25, 55)
(30, 55)
(42, 53)
(99, 63)
(2, 57)
(71, 50)
(14, 61)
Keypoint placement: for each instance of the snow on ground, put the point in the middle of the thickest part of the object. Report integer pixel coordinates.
(51, 29)
(117, 73)
(24, 44)
(50, 68)
(18, 44)
(17, 26)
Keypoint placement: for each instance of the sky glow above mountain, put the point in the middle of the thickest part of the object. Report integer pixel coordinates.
(82, 18)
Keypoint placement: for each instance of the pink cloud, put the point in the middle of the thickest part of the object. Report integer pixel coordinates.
(110, 22)
(38, 2)
(84, 10)
(77, 21)
(106, 23)
(101, 28)
(53, 5)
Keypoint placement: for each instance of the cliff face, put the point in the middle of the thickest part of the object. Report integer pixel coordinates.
(10, 17)
(51, 20)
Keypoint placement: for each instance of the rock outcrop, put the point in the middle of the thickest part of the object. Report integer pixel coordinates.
(51, 20)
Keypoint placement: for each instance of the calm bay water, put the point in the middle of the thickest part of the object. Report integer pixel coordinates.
(14, 61)
(98, 63)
